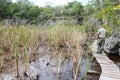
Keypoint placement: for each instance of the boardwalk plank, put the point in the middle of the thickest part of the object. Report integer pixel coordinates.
(110, 71)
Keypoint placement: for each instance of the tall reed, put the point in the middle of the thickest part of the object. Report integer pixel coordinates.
(18, 40)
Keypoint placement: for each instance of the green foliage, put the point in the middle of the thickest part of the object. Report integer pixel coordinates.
(74, 8)
(106, 11)
(116, 7)
(24, 9)
(109, 29)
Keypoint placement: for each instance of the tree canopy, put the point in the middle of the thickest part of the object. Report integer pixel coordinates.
(24, 9)
(106, 11)
(103, 10)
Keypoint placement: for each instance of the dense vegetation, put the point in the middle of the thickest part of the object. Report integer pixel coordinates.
(105, 11)
(17, 41)
(23, 9)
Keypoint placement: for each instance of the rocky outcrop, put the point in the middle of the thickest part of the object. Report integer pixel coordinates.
(15, 22)
(112, 44)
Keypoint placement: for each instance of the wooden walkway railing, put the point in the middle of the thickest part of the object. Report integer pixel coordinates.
(110, 71)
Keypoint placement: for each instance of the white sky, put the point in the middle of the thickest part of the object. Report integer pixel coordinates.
(54, 2)
(14, 0)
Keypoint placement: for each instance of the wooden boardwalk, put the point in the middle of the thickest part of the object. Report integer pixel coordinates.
(110, 71)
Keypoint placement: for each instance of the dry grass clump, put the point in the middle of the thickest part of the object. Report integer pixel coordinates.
(16, 42)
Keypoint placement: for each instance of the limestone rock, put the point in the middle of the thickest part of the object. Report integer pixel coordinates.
(32, 72)
(112, 44)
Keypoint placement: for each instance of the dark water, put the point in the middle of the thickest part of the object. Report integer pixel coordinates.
(115, 58)
(95, 67)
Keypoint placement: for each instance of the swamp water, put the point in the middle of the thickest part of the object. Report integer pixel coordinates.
(115, 58)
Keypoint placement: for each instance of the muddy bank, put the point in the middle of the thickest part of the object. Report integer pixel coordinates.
(46, 68)
(48, 65)
(94, 70)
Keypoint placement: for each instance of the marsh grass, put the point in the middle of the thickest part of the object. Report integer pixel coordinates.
(17, 41)
(87, 65)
